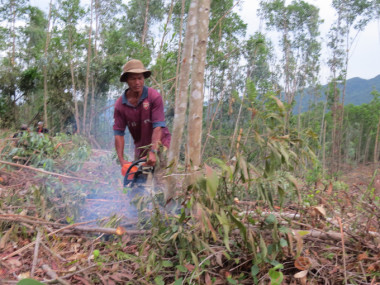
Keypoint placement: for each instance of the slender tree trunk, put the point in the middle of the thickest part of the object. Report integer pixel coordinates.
(166, 27)
(322, 125)
(213, 118)
(375, 152)
(179, 48)
(92, 112)
(87, 72)
(324, 148)
(76, 110)
(160, 74)
(145, 30)
(197, 87)
(45, 67)
(366, 150)
(359, 149)
(238, 117)
(13, 32)
(181, 98)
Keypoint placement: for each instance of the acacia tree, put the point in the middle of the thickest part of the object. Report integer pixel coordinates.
(194, 141)
(184, 75)
(11, 11)
(298, 24)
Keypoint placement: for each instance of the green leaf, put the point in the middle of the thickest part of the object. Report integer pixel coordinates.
(181, 268)
(96, 253)
(271, 219)
(263, 247)
(212, 181)
(178, 281)
(240, 225)
(276, 277)
(29, 281)
(195, 260)
(231, 281)
(159, 280)
(255, 270)
(283, 242)
(167, 263)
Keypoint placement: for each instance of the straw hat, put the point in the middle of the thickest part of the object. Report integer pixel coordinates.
(134, 66)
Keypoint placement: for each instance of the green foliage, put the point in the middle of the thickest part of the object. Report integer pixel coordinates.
(45, 152)
(29, 281)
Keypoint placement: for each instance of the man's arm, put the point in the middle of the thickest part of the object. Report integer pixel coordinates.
(156, 141)
(119, 146)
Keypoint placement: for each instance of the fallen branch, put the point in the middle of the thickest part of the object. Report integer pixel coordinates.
(52, 233)
(113, 231)
(51, 173)
(53, 275)
(36, 251)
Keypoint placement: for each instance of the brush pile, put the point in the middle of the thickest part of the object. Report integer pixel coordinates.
(66, 221)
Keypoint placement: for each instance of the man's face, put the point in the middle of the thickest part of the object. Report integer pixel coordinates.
(135, 82)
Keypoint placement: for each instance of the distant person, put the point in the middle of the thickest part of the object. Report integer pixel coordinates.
(23, 128)
(40, 128)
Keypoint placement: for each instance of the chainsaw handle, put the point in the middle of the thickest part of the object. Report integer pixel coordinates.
(135, 163)
(127, 173)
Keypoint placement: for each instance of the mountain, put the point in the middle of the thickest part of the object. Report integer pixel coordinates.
(358, 91)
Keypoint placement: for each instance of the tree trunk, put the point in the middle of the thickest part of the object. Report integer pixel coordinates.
(87, 73)
(375, 152)
(145, 30)
(197, 84)
(181, 96)
(366, 150)
(45, 67)
(359, 148)
(92, 111)
(324, 148)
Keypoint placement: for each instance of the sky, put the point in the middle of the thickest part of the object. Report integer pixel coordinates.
(364, 61)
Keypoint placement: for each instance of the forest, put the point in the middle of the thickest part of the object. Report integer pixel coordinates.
(259, 191)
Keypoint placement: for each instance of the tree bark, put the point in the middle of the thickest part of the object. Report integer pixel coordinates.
(375, 152)
(181, 96)
(197, 92)
(87, 73)
(45, 67)
(145, 30)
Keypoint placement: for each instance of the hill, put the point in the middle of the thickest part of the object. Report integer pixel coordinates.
(358, 91)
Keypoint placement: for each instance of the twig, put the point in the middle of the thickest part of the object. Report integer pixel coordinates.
(52, 233)
(52, 173)
(36, 250)
(117, 231)
(52, 252)
(343, 249)
(25, 219)
(53, 275)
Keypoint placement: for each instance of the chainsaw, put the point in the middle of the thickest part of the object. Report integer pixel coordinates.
(138, 176)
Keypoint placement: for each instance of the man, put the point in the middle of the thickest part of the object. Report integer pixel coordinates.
(141, 109)
(24, 127)
(40, 128)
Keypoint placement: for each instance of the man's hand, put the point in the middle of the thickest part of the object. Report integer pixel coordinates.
(151, 159)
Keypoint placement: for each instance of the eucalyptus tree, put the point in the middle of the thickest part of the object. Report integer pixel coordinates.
(194, 138)
(226, 34)
(31, 55)
(140, 16)
(73, 42)
(352, 16)
(11, 11)
(181, 99)
(298, 24)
